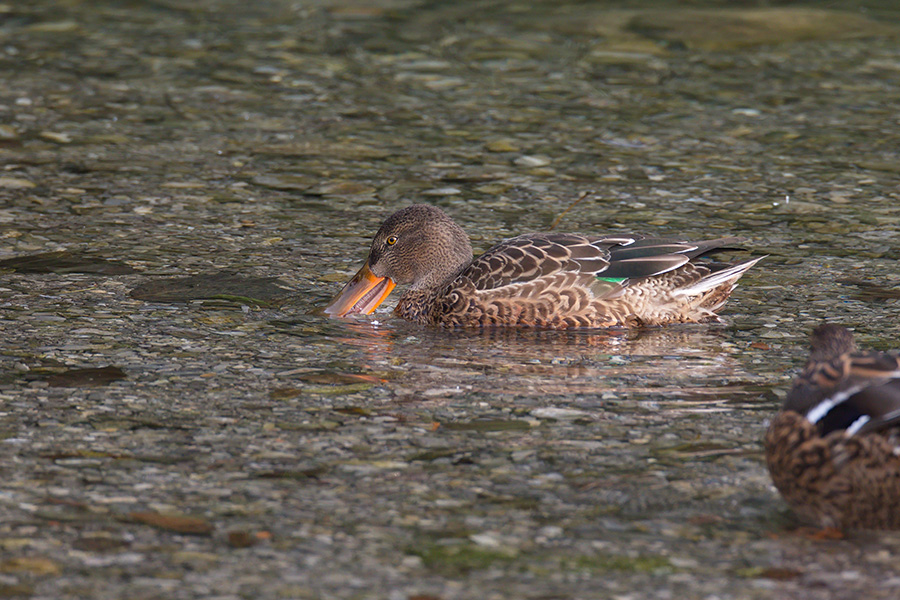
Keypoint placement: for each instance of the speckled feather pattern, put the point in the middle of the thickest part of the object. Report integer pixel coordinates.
(551, 280)
(833, 450)
(835, 480)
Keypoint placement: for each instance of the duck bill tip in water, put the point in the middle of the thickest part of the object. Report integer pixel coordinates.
(362, 294)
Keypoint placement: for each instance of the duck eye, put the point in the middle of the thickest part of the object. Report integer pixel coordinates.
(391, 240)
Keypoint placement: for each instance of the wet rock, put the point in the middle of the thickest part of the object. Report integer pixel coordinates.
(16, 183)
(53, 136)
(552, 412)
(106, 138)
(16, 590)
(532, 161)
(100, 542)
(65, 261)
(8, 133)
(444, 191)
(284, 181)
(174, 523)
(728, 29)
(54, 27)
(91, 377)
(870, 291)
(488, 425)
(493, 188)
(223, 285)
(331, 377)
(285, 393)
(242, 539)
(33, 565)
(344, 150)
(887, 166)
(337, 390)
(502, 145)
(340, 188)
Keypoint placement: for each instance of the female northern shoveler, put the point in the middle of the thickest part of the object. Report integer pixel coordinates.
(832, 450)
(553, 280)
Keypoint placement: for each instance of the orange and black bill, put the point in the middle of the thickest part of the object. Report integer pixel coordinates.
(362, 294)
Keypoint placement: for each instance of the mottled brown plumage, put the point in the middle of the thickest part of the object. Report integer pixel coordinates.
(552, 280)
(833, 449)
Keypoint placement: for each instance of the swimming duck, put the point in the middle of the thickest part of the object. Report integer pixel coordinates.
(549, 280)
(833, 449)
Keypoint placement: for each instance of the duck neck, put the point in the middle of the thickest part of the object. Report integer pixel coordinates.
(415, 306)
(419, 302)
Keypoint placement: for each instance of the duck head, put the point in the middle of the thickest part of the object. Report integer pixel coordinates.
(829, 341)
(419, 245)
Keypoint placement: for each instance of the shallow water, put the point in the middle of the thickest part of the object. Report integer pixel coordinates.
(145, 143)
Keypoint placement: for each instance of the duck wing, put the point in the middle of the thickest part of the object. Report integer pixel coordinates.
(858, 392)
(611, 259)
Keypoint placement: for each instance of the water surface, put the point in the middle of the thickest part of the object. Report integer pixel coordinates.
(282, 454)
